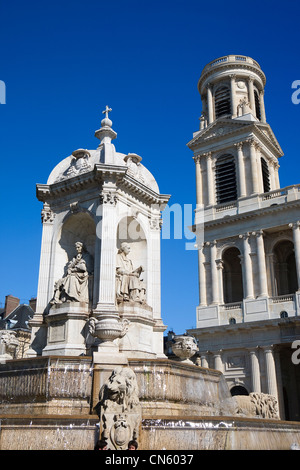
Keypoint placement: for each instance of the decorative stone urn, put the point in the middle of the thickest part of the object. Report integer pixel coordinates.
(184, 347)
(108, 328)
(9, 344)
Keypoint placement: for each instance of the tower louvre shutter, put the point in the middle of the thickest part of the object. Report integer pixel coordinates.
(226, 179)
(222, 101)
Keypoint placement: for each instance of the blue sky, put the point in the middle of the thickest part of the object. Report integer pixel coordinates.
(64, 61)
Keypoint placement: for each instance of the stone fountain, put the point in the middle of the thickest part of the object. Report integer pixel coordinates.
(96, 366)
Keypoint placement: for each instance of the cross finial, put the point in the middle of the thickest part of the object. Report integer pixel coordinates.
(106, 111)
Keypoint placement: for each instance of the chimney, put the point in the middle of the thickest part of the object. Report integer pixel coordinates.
(32, 303)
(11, 303)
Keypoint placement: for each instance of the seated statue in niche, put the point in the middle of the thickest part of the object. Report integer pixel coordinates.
(74, 286)
(129, 286)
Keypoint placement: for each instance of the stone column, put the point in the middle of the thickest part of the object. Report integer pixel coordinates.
(261, 261)
(255, 371)
(220, 268)
(271, 274)
(202, 276)
(45, 291)
(198, 181)
(106, 239)
(218, 363)
(210, 180)
(214, 272)
(247, 265)
(253, 163)
(276, 175)
(44, 295)
(270, 372)
(204, 361)
(279, 385)
(296, 237)
(262, 106)
(251, 95)
(210, 104)
(233, 100)
(272, 175)
(241, 170)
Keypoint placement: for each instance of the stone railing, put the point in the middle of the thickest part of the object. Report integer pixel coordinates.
(231, 58)
(233, 306)
(283, 298)
(254, 202)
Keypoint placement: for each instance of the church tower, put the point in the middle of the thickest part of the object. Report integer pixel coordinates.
(248, 236)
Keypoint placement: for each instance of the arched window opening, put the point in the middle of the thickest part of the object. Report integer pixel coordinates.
(257, 105)
(222, 101)
(232, 276)
(285, 268)
(284, 314)
(226, 179)
(238, 390)
(265, 175)
(232, 321)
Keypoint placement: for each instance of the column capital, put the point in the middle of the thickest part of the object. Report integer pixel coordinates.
(219, 263)
(233, 76)
(207, 155)
(244, 236)
(251, 141)
(47, 214)
(197, 158)
(258, 233)
(294, 225)
(251, 79)
(108, 197)
(238, 145)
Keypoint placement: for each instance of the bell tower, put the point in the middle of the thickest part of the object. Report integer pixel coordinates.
(248, 235)
(232, 86)
(235, 150)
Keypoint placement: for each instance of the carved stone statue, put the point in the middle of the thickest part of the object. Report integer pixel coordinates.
(243, 107)
(120, 410)
(129, 286)
(256, 404)
(74, 286)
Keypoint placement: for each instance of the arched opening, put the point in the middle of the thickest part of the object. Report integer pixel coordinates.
(238, 390)
(285, 268)
(222, 101)
(232, 276)
(257, 105)
(226, 186)
(265, 175)
(78, 227)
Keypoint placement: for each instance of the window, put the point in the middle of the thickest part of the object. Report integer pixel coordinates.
(284, 264)
(232, 321)
(265, 175)
(226, 179)
(222, 101)
(232, 276)
(257, 105)
(284, 314)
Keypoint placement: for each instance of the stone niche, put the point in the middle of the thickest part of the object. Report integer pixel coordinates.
(134, 293)
(72, 297)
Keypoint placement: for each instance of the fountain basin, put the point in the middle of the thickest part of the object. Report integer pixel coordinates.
(48, 403)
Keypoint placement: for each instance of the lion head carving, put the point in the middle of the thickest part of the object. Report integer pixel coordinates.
(120, 389)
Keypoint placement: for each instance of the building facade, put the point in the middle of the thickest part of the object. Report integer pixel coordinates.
(248, 238)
